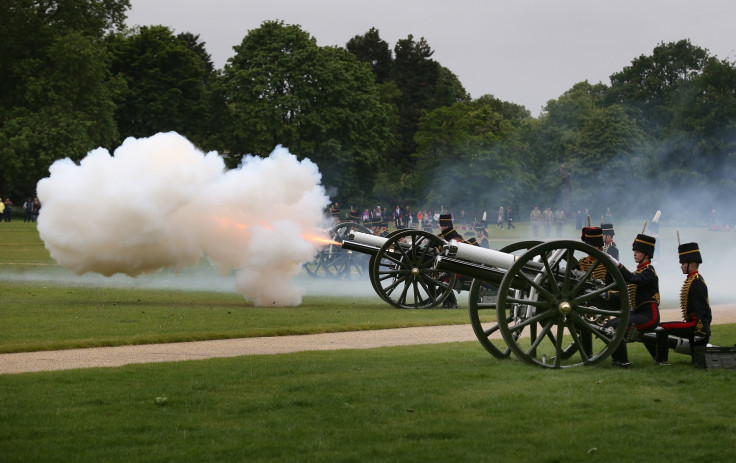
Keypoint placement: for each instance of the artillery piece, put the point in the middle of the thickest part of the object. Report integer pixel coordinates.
(547, 311)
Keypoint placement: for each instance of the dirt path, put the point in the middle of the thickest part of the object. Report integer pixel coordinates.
(25, 362)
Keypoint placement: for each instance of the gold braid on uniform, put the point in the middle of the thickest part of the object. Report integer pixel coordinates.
(600, 271)
(632, 295)
(632, 291)
(685, 292)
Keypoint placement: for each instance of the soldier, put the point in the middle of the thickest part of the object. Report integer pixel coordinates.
(594, 237)
(643, 297)
(535, 218)
(609, 247)
(482, 231)
(559, 221)
(448, 232)
(547, 218)
(695, 307)
(447, 229)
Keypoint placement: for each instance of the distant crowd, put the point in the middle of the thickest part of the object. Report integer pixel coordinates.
(31, 208)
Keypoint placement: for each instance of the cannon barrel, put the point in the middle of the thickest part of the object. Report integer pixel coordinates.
(484, 256)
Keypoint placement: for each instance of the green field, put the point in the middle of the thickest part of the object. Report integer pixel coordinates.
(446, 402)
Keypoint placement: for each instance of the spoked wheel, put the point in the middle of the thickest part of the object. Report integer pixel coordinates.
(543, 304)
(482, 307)
(335, 262)
(403, 271)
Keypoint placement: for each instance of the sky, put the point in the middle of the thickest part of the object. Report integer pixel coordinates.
(522, 51)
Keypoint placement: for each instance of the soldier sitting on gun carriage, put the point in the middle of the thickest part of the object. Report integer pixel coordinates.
(609, 246)
(643, 297)
(448, 233)
(696, 312)
(594, 237)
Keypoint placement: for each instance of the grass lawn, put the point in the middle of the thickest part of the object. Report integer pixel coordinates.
(448, 402)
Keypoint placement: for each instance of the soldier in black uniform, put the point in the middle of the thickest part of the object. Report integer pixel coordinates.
(594, 237)
(482, 231)
(643, 297)
(696, 313)
(447, 233)
(447, 229)
(609, 246)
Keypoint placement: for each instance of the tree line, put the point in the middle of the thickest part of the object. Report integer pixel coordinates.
(386, 125)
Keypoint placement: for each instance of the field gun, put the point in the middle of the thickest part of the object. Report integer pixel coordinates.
(530, 292)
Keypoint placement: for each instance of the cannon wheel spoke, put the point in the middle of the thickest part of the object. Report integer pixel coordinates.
(402, 271)
(482, 308)
(554, 300)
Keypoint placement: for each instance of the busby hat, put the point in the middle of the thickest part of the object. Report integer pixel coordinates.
(607, 228)
(445, 220)
(689, 252)
(481, 226)
(592, 236)
(645, 244)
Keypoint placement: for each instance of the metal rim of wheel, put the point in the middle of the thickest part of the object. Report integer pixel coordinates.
(486, 330)
(556, 304)
(333, 261)
(403, 271)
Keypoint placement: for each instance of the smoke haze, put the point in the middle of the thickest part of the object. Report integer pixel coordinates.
(159, 202)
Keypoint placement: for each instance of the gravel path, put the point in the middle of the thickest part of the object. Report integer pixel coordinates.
(25, 362)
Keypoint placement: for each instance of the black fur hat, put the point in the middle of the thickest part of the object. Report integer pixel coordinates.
(689, 252)
(592, 236)
(645, 244)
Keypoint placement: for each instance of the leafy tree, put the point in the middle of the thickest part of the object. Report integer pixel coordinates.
(165, 78)
(56, 92)
(465, 156)
(320, 102)
(371, 49)
(646, 86)
(425, 85)
(592, 146)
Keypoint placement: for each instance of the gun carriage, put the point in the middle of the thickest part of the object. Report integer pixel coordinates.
(547, 311)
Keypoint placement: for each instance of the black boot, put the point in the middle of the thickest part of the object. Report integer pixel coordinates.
(663, 349)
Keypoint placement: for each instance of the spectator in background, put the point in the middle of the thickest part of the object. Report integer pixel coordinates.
(28, 209)
(36, 208)
(8, 212)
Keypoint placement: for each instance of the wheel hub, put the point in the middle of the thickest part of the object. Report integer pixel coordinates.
(415, 271)
(564, 307)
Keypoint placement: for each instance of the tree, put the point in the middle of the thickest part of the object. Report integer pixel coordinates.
(369, 48)
(645, 87)
(465, 156)
(56, 92)
(320, 102)
(425, 85)
(165, 78)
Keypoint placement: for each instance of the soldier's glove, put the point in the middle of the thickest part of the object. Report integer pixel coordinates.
(615, 262)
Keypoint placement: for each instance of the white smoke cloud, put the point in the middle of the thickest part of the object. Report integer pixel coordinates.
(159, 202)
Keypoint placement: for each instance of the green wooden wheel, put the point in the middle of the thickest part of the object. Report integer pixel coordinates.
(482, 307)
(403, 271)
(544, 305)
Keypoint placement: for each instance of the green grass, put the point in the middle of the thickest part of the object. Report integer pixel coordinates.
(447, 402)
(46, 317)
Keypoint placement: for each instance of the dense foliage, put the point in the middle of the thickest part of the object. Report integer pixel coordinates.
(386, 126)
